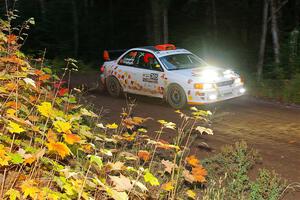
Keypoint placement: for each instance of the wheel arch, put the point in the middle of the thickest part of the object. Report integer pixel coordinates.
(171, 84)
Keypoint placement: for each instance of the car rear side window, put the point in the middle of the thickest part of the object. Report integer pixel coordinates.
(128, 59)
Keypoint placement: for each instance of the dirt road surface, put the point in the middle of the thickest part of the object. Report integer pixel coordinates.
(272, 129)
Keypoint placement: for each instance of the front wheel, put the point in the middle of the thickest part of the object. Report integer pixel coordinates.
(176, 96)
(113, 86)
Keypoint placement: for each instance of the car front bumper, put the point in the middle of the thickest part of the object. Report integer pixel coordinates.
(199, 97)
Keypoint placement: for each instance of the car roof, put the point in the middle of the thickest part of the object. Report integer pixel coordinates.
(160, 53)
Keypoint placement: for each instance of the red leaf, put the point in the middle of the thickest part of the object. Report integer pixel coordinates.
(63, 91)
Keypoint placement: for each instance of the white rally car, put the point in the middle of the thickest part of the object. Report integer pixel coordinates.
(170, 73)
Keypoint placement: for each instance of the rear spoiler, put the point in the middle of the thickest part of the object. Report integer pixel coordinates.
(112, 54)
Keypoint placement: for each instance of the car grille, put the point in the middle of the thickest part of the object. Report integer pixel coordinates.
(225, 83)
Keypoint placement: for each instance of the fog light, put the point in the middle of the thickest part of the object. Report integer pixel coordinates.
(212, 97)
(242, 90)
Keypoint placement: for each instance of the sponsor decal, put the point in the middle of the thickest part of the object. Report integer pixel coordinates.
(150, 78)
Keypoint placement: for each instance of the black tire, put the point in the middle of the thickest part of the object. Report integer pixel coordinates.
(113, 86)
(176, 96)
(101, 86)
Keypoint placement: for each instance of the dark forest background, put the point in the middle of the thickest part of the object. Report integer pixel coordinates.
(225, 33)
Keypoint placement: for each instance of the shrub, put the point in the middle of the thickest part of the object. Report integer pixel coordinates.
(233, 163)
(268, 186)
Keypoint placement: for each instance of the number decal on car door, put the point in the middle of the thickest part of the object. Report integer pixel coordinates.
(150, 78)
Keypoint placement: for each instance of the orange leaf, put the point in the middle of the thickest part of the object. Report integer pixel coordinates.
(13, 104)
(44, 77)
(71, 138)
(51, 136)
(29, 160)
(87, 148)
(167, 186)
(38, 72)
(193, 161)
(60, 148)
(144, 155)
(33, 118)
(13, 60)
(32, 99)
(11, 39)
(199, 174)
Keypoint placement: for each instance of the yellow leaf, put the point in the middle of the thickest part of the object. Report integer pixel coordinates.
(149, 178)
(14, 128)
(29, 189)
(166, 124)
(112, 126)
(117, 195)
(3, 157)
(161, 121)
(167, 186)
(13, 194)
(71, 138)
(45, 109)
(10, 112)
(191, 194)
(62, 126)
(59, 148)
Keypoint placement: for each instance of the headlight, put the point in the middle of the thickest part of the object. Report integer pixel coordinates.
(238, 81)
(204, 86)
(209, 75)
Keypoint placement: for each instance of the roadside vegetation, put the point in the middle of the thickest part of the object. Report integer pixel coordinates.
(54, 147)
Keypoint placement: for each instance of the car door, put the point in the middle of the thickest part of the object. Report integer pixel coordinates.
(128, 73)
(149, 74)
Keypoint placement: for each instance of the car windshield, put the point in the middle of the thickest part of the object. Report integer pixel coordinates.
(182, 61)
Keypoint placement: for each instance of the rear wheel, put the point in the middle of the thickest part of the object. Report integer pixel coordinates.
(113, 86)
(176, 96)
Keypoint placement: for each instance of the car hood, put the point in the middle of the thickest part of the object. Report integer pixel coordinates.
(197, 74)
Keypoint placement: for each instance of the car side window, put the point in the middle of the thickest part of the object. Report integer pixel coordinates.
(128, 59)
(146, 60)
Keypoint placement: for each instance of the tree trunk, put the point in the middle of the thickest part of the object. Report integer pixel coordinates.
(214, 20)
(43, 9)
(75, 28)
(166, 25)
(274, 29)
(296, 15)
(149, 28)
(261, 54)
(156, 21)
(111, 22)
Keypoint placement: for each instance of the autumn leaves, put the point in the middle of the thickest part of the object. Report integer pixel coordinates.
(56, 148)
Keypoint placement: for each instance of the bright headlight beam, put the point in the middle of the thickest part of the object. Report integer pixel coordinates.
(238, 81)
(207, 86)
(209, 75)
